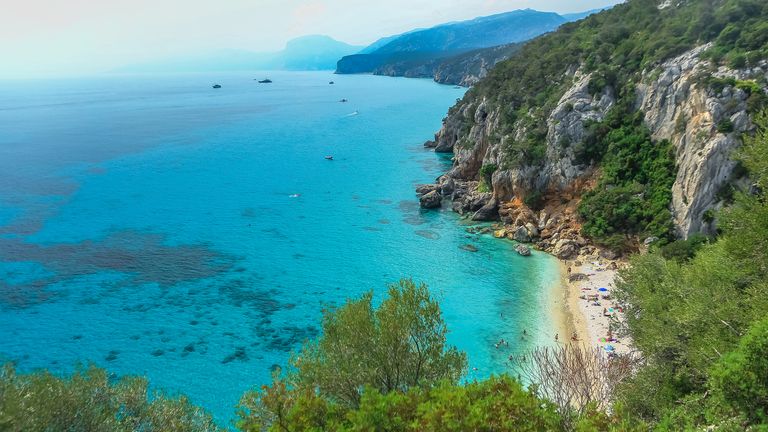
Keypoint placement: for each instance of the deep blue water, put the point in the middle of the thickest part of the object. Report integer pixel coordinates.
(151, 225)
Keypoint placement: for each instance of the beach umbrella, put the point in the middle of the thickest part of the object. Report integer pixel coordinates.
(603, 289)
(610, 348)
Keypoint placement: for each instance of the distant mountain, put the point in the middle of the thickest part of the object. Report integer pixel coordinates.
(314, 52)
(455, 53)
(451, 39)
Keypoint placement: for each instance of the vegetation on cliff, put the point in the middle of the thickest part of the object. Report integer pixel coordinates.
(618, 48)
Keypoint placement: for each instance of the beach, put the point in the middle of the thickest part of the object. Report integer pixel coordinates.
(591, 307)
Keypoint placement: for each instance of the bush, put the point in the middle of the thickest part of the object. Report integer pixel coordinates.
(634, 190)
(725, 126)
(396, 347)
(88, 400)
(684, 250)
(486, 174)
(741, 376)
(534, 200)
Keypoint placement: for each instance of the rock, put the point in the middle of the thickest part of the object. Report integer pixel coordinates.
(573, 277)
(650, 240)
(425, 189)
(532, 230)
(469, 247)
(568, 251)
(430, 144)
(578, 263)
(500, 233)
(521, 235)
(523, 250)
(431, 200)
(613, 266)
(609, 254)
(489, 212)
(447, 185)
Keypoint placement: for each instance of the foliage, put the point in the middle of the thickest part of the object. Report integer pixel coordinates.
(498, 404)
(534, 200)
(487, 170)
(684, 249)
(689, 318)
(89, 400)
(634, 190)
(741, 376)
(397, 346)
(725, 126)
(616, 46)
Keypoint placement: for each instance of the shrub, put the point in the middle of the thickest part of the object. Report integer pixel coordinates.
(88, 400)
(725, 126)
(741, 376)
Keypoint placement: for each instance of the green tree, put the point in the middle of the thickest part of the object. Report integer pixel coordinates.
(397, 346)
(89, 401)
(741, 376)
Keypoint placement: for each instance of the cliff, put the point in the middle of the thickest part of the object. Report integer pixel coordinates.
(541, 160)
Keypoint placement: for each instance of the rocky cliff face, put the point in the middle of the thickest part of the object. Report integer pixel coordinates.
(678, 106)
(704, 124)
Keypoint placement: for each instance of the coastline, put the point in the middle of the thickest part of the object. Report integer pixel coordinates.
(592, 320)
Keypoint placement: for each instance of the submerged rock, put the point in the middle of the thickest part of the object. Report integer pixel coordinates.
(469, 247)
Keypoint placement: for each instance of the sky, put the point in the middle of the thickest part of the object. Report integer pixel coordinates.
(65, 37)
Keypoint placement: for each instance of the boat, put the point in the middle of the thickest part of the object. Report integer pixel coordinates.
(329, 157)
(216, 86)
(331, 82)
(343, 100)
(265, 81)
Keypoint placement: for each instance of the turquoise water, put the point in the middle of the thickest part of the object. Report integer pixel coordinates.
(156, 226)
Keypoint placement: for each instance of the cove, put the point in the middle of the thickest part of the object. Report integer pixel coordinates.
(156, 226)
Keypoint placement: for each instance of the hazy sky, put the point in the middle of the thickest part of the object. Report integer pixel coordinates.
(84, 36)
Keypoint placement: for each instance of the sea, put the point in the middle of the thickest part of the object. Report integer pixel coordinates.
(155, 226)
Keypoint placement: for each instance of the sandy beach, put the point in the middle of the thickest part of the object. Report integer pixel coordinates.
(591, 307)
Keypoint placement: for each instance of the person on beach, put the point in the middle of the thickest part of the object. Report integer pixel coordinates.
(557, 337)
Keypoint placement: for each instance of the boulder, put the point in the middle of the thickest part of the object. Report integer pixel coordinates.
(521, 235)
(566, 249)
(489, 212)
(469, 248)
(446, 185)
(430, 144)
(609, 254)
(532, 230)
(431, 200)
(573, 277)
(425, 189)
(523, 250)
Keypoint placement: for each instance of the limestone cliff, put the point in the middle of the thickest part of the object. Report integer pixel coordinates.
(680, 104)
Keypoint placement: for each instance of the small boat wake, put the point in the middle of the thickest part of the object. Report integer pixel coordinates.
(352, 114)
